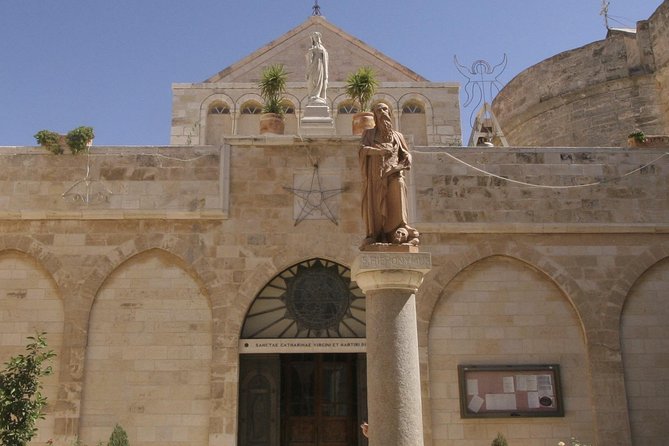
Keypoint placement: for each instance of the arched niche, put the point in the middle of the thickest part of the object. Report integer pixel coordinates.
(501, 311)
(148, 355)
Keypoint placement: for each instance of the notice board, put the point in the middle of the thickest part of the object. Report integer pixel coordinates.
(510, 391)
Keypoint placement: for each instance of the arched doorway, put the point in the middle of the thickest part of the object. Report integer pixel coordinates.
(302, 364)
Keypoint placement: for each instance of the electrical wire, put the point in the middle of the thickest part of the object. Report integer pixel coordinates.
(544, 186)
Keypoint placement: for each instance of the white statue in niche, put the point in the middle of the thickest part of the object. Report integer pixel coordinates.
(317, 70)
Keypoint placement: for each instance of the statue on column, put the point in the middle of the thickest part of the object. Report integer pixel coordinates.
(317, 70)
(384, 158)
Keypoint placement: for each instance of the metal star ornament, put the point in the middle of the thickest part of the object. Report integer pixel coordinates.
(316, 199)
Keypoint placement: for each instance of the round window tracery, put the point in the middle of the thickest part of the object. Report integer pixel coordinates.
(313, 299)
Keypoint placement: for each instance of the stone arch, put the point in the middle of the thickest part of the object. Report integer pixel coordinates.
(291, 118)
(247, 97)
(36, 250)
(31, 302)
(149, 353)
(487, 314)
(343, 121)
(437, 280)
(263, 274)
(182, 249)
(338, 100)
(633, 270)
(430, 293)
(644, 329)
(248, 123)
(340, 311)
(215, 126)
(417, 124)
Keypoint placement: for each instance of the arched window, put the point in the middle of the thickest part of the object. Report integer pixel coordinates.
(219, 123)
(413, 107)
(348, 108)
(219, 108)
(251, 108)
(313, 299)
(249, 118)
(413, 121)
(288, 107)
(289, 117)
(344, 119)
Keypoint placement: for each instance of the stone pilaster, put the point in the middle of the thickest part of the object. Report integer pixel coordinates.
(390, 281)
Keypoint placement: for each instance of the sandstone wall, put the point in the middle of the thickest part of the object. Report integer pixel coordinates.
(504, 312)
(659, 35)
(592, 96)
(187, 236)
(596, 187)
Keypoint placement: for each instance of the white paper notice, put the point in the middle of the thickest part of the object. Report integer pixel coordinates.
(507, 382)
(531, 383)
(475, 404)
(500, 401)
(533, 400)
(544, 385)
(521, 383)
(472, 387)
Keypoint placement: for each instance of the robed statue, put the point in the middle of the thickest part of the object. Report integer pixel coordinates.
(384, 159)
(317, 70)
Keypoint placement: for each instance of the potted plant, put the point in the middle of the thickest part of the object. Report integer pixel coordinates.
(360, 87)
(272, 87)
(79, 139)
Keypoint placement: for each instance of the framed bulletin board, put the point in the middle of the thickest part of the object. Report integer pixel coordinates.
(510, 391)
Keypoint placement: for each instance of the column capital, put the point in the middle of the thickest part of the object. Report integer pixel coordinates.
(390, 270)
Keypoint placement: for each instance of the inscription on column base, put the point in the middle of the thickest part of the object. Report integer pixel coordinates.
(390, 270)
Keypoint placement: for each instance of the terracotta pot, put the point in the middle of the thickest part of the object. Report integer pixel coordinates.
(362, 121)
(271, 123)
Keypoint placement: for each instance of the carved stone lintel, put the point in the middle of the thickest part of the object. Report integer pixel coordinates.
(390, 270)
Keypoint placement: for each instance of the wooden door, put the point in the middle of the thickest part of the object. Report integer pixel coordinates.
(318, 400)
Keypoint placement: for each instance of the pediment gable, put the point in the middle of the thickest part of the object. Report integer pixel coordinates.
(346, 52)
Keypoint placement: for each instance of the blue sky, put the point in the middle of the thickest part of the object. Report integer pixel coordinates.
(110, 63)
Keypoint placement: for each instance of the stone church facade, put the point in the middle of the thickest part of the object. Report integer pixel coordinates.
(228, 103)
(200, 293)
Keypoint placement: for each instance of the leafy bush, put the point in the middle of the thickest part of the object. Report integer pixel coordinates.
(499, 441)
(21, 399)
(118, 437)
(79, 138)
(50, 141)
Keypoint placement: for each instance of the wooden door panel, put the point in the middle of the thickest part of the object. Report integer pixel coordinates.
(335, 432)
(319, 403)
(302, 431)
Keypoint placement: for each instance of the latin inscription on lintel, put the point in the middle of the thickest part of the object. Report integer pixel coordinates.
(380, 260)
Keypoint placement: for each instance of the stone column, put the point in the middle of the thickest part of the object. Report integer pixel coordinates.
(390, 281)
